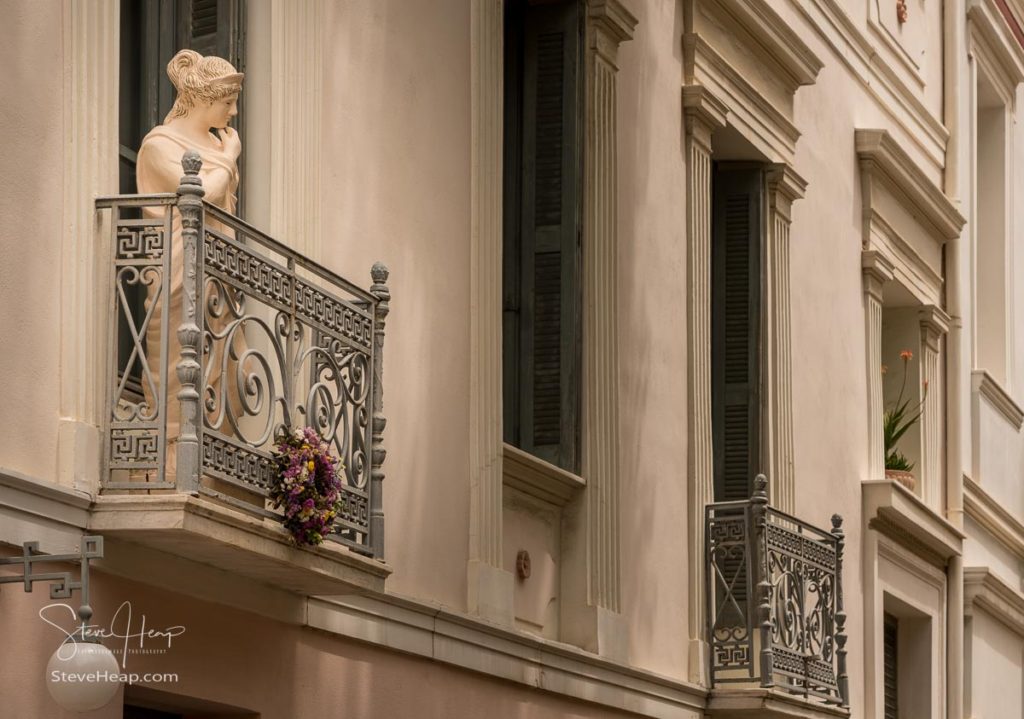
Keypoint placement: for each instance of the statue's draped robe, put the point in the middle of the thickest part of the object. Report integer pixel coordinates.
(159, 160)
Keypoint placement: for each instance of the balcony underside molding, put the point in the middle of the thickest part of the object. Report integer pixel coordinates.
(900, 515)
(209, 533)
(766, 704)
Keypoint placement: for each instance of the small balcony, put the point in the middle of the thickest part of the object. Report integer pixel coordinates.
(219, 339)
(775, 619)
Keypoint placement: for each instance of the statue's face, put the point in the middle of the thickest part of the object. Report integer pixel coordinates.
(219, 112)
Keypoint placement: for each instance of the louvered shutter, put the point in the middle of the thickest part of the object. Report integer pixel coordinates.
(213, 27)
(547, 306)
(890, 658)
(736, 318)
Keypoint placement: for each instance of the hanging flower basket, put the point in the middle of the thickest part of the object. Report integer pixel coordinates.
(307, 486)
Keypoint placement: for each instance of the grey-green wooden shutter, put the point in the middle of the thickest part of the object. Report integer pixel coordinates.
(546, 377)
(735, 330)
(890, 659)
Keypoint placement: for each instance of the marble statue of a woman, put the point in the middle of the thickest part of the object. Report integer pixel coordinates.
(208, 89)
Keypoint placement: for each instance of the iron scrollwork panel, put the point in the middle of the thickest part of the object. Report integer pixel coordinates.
(802, 579)
(278, 352)
(730, 629)
(137, 394)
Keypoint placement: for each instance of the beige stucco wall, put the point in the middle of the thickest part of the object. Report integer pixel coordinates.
(995, 687)
(396, 187)
(246, 661)
(31, 208)
(652, 346)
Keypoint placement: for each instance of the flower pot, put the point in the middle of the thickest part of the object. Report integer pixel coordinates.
(903, 477)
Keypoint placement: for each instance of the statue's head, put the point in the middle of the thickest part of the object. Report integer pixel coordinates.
(208, 85)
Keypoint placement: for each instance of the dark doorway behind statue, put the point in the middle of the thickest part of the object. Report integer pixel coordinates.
(152, 31)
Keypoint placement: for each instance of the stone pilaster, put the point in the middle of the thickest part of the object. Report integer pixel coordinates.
(876, 272)
(91, 42)
(490, 587)
(934, 326)
(296, 88)
(784, 187)
(703, 114)
(595, 599)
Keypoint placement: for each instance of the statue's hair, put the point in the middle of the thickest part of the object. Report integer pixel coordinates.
(200, 79)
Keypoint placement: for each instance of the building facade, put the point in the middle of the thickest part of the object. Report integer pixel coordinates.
(633, 254)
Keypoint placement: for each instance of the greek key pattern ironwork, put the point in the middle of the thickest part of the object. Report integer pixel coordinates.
(134, 447)
(136, 379)
(795, 587)
(247, 270)
(140, 241)
(244, 465)
(336, 317)
(355, 510)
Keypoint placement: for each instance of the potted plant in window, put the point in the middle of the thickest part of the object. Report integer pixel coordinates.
(897, 419)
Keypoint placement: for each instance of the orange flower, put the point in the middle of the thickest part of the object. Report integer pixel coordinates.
(906, 355)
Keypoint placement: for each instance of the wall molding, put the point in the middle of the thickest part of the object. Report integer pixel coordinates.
(990, 593)
(991, 36)
(857, 53)
(986, 386)
(440, 634)
(883, 159)
(993, 517)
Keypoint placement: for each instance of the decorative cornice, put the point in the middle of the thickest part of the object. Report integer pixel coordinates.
(700, 104)
(901, 515)
(993, 517)
(785, 187)
(877, 270)
(934, 323)
(985, 590)
(985, 385)
(778, 39)
(883, 158)
(612, 18)
(991, 30)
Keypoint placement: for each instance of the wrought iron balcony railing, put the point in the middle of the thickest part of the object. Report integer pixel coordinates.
(220, 340)
(775, 600)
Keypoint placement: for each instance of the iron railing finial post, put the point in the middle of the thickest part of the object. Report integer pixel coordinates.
(843, 679)
(190, 207)
(759, 555)
(380, 290)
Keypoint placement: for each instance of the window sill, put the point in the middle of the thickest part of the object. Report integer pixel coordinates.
(539, 479)
(985, 385)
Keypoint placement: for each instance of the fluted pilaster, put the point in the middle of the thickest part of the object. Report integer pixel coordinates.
(490, 587)
(91, 43)
(703, 115)
(876, 272)
(784, 187)
(296, 88)
(934, 325)
(608, 24)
